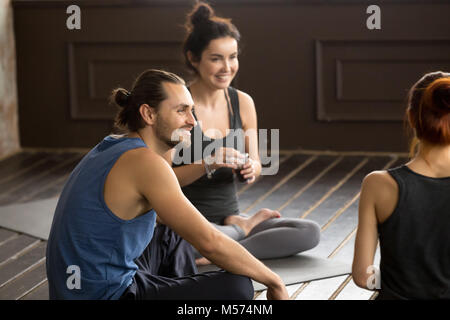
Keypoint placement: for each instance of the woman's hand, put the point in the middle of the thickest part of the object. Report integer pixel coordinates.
(225, 158)
(248, 171)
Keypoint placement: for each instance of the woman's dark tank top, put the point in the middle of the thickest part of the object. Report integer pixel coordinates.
(215, 198)
(415, 239)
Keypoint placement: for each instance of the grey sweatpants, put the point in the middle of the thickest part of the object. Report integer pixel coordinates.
(275, 238)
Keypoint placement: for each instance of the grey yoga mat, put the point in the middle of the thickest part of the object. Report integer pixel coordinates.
(299, 268)
(33, 218)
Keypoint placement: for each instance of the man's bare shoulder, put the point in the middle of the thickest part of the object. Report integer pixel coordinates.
(145, 161)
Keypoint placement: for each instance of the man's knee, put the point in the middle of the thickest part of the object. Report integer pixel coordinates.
(241, 287)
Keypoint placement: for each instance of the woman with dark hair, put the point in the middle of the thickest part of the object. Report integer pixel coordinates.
(408, 208)
(104, 243)
(226, 114)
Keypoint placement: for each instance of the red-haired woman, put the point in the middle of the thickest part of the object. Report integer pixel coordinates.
(408, 208)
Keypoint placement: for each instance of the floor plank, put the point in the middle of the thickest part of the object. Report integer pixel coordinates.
(283, 194)
(14, 268)
(310, 197)
(260, 188)
(47, 180)
(241, 187)
(17, 288)
(322, 187)
(39, 293)
(17, 188)
(340, 198)
(352, 292)
(6, 235)
(18, 164)
(320, 289)
(12, 247)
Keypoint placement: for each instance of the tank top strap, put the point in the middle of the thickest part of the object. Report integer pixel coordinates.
(235, 118)
(399, 175)
(233, 110)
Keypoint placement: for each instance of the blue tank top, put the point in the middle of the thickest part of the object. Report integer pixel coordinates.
(87, 239)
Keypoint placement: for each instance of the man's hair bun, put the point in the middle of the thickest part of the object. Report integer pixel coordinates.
(121, 97)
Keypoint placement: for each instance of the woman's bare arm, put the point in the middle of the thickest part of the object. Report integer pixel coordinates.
(378, 199)
(250, 127)
(367, 234)
(188, 173)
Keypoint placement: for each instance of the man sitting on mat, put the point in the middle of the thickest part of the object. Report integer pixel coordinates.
(103, 243)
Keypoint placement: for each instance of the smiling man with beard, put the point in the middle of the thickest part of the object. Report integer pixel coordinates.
(104, 223)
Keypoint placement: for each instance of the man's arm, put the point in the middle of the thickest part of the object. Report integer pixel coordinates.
(188, 173)
(156, 181)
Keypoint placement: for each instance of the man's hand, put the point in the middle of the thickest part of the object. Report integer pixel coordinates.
(277, 292)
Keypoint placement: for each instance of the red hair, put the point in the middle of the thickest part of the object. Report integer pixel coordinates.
(429, 109)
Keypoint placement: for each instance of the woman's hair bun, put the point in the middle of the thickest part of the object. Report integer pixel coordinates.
(437, 94)
(121, 97)
(443, 92)
(202, 12)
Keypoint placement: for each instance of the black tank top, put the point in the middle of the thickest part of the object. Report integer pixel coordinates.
(215, 198)
(415, 239)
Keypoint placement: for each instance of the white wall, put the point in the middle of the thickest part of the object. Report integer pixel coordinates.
(9, 131)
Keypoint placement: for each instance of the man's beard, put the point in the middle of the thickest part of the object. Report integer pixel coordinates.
(165, 134)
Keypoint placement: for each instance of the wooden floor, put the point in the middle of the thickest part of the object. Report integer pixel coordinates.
(321, 186)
